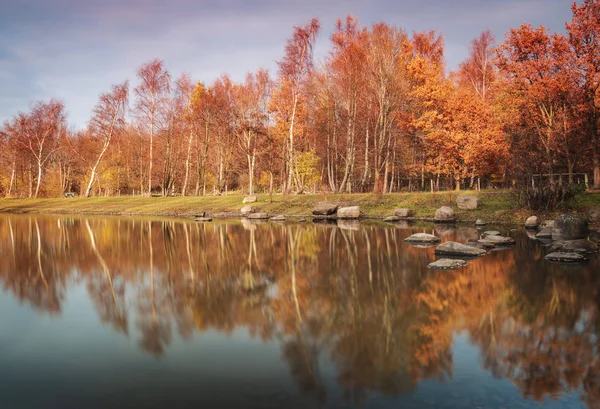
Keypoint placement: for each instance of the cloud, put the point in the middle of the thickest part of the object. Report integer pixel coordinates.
(74, 50)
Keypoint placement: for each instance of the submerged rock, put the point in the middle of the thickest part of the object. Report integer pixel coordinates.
(531, 222)
(404, 212)
(446, 264)
(490, 233)
(565, 257)
(351, 212)
(482, 244)
(467, 202)
(570, 227)
(391, 219)
(545, 233)
(452, 248)
(444, 214)
(422, 238)
(576, 246)
(278, 218)
(500, 240)
(325, 209)
(203, 219)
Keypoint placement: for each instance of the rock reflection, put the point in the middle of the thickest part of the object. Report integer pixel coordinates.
(355, 294)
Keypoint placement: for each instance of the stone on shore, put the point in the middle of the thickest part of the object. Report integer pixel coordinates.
(246, 210)
(480, 222)
(422, 238)
(278, 218)
(565, 257)
(447, 264)
(392, 219)
(467, 202)
(570, 227)
(404, 212)
(258, 216)
(249, 199)
(444, 214)
(452, 248)
(575, 246)
(547, 223)
(325, 209)
(531, 222)
(594, 215)
(352, 212)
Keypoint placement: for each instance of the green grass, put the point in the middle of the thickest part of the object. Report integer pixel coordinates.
(496, 206)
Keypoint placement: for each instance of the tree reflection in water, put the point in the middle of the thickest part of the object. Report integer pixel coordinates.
(359, 297)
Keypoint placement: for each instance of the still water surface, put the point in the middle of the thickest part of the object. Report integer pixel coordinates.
(142, 313)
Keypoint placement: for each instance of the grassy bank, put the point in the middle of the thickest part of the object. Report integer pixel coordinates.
(495, 206)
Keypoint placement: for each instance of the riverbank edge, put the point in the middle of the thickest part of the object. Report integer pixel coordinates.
(495, 208)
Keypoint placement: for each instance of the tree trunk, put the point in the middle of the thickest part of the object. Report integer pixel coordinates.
(39, 179)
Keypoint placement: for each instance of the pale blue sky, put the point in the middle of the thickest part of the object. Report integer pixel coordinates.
(75, 49)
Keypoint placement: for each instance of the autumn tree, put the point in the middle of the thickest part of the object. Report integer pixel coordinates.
(107, 122)
(294, 69)
(152, 94)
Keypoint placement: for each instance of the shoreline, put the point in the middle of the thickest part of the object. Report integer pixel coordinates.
(496, 207)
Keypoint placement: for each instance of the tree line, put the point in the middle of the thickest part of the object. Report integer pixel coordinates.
(380, 113)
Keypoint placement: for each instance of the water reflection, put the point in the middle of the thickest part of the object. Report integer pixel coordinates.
(353, 296)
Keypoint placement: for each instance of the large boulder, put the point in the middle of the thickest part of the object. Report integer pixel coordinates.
(570, 227)
(258, 216)
(352, 212)
(249, 199)
(246, 210)
(531, 222)
(444, 214)
(325, 209)
(594, 215)
(575, 246)
(452, 248)
(422, 238)
(404, 212)
(565, 257)
(467, 202)
(447, 264)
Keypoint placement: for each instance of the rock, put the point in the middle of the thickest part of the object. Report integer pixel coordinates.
(392, 219)
(349, 224)
(258, 216)
(422, 238)
(467, 202)
(301, 220)
(545, 233)
(325, 209)
(452, 248)
(203, 219)
(482, 244)
(574, 246)
(352, 212)
(570, 227)
(200, 214)
(480, 222)
(490, 233)
(500, 240)
(531, 222)
(547, 223)
(249, 199)
(447, 264)
(444, 214)
(246, 210)
(404, 212)
(594, 215)
(565, 257)
(278, 218)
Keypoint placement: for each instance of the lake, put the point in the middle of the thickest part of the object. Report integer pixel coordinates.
(164, 313)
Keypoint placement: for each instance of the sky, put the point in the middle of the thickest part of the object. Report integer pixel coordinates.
(73, 50)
